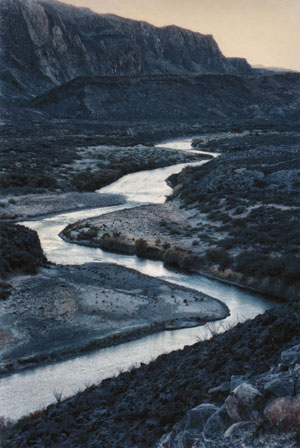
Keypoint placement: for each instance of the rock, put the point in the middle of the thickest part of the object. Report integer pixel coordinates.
(242, 403)
(291, 356)
(284, 413)
(280, 387)
(214, 426)
(224, 388)
(190, 428)
(197, 417)
(235, 381)
(241, 432)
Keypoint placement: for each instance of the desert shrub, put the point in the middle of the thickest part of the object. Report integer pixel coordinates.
(175, 231)
(173, 257)
(141, 246)
(292, 269)
(87, 181)
(260, 183)
(249, 263)
(218, 256)
(189, 261)
(115, 245)
(4, 294)
(20, 249)
(30, 180)
(88, 234)
(163, 223)
(227, 243)
(274, 266)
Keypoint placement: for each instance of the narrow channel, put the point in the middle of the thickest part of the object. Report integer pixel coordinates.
(31, 390)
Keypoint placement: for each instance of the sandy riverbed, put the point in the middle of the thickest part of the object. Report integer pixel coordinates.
(34, 205)
(66, 310)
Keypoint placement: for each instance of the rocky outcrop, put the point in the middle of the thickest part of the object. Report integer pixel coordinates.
(263, 414)
(20, 250)
(46, 43)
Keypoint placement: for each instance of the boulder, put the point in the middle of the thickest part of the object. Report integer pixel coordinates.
(242, 404)
(280, 387)
(241, 432)
(190, 428)
(197, 417)
(214, 426)
(291, 356)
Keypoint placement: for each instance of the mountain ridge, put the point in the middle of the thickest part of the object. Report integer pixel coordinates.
(46, 43)
(201, 97)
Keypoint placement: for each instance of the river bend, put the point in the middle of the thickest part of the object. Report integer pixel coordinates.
(31, 390)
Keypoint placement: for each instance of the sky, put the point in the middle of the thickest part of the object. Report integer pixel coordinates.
(265, 32)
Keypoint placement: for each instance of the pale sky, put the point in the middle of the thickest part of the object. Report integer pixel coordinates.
(263, 31)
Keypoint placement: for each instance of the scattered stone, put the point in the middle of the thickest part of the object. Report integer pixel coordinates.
(214, 426)
(241, 432)
(279, 387)
(291, 356)
(241, 404)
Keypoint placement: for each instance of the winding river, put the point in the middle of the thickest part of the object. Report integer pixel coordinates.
(31, 390)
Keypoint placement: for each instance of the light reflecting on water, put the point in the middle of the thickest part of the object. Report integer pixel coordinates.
(32, 390)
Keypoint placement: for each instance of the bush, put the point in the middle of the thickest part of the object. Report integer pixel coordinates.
(218, 256)
(88, 181)
(172, 257)
(249, 263)
(20, 250)
(141, 246)
(292, 269)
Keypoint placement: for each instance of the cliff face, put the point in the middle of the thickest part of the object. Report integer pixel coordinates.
(45, 43)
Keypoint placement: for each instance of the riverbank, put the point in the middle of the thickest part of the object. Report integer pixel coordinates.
(25, 207)
(67, 311)
(235, 218)
(183, 239)
(138, 407)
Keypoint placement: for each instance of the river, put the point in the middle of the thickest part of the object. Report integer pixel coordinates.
(34, 389)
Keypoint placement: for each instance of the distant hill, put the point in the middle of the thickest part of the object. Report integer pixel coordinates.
(202, 97)
(45, 43)
(273, 69)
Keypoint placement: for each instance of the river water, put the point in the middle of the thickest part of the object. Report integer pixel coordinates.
(26, 392)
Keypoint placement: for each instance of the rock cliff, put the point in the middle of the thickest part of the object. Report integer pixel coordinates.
(45, 43)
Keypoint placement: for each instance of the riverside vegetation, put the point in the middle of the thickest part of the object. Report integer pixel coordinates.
(236, 217)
